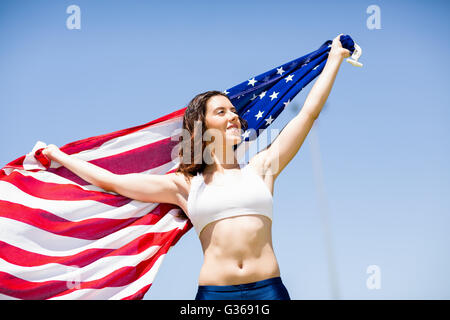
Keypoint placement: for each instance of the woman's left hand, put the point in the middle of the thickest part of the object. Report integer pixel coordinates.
(337, 50)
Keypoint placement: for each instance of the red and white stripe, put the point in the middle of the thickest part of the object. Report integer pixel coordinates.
(63, 238)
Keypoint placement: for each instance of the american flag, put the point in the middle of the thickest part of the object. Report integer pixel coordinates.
(63, 238)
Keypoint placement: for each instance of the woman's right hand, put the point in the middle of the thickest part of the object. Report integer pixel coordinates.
(337, 49)
(50, 151)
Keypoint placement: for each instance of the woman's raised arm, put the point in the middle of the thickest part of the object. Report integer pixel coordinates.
(165, 188)
(288, 142)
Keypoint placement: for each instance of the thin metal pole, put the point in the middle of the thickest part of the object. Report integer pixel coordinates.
(323, 210)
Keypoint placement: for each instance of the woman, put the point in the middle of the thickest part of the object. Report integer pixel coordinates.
(230, 205)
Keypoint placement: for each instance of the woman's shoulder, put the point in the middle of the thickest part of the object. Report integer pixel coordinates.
(182, 181)
(181, 178)
(258, 162)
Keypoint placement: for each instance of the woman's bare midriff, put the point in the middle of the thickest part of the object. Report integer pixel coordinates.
(238, 250)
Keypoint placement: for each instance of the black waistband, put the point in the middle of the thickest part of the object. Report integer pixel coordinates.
(235, 287)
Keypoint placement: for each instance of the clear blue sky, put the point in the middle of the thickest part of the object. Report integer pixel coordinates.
(384, 135)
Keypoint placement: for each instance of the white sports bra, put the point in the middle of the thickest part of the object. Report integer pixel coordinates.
(228, 196)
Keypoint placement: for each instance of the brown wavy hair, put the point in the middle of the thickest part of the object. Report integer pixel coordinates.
(196, 111)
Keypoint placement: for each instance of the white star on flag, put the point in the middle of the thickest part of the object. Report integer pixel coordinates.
(273, 95)
(259, 115)
(262, 94)
(286, 103)
(225, 91)
(289, 78)
(269, 120)
(280, 71)
(252, 82)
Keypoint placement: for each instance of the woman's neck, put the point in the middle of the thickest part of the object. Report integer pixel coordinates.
(221, 165)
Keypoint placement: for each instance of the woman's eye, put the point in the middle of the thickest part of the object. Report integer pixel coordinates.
(221, 111)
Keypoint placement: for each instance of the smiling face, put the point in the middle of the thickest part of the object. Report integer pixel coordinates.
(222, 116)
(207, 132)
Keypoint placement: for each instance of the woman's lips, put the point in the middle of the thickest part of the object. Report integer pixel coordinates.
(234, 131)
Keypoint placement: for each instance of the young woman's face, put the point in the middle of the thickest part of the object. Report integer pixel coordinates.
(222, 116)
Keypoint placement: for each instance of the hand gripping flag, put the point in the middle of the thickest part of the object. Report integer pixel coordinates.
(63, 238)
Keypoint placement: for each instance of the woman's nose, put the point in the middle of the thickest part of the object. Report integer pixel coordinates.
(233, 115)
